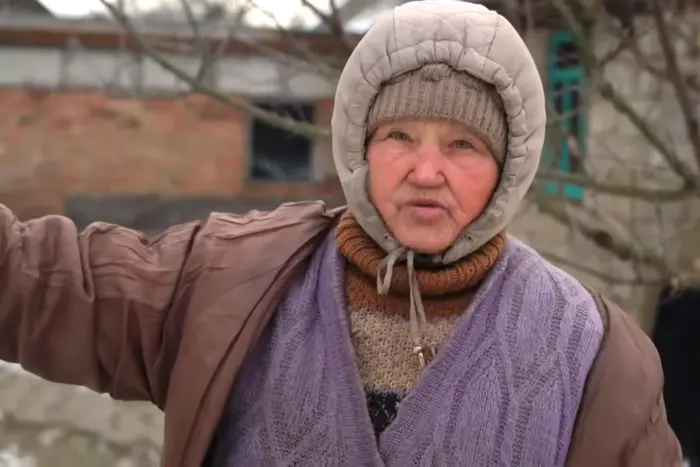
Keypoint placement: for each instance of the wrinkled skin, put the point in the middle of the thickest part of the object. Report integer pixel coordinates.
(429, 179)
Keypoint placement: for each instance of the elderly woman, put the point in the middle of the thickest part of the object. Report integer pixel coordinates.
(407, 329)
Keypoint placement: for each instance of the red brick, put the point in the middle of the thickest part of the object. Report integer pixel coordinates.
(55, 144)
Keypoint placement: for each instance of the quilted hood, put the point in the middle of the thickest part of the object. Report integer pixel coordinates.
(470, 38)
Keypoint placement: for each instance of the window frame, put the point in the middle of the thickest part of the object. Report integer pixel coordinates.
(572, 76)
(252, 122)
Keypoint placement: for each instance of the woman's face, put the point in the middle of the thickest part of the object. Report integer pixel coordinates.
(429, 179)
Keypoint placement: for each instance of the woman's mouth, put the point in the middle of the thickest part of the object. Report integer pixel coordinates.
(426, 210)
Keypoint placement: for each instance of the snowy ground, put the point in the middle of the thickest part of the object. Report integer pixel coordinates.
(44, 424)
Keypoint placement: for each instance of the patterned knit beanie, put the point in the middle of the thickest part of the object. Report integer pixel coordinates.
(439, 91)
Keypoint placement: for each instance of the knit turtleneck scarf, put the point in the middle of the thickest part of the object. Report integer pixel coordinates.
(380, 324)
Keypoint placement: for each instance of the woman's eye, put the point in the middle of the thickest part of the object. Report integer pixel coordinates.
(399, 136)
(463, 144)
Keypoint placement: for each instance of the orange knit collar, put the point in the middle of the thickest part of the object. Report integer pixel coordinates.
(361, 251)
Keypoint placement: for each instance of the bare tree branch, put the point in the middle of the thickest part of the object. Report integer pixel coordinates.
(307, 55)
(608, 92)
(607, 278)
(333, 21)
(659, 72)
(289, 124)
(677, 80)
(616, 189)
(621, 248)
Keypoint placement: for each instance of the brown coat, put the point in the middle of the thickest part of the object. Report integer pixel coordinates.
(170, 321)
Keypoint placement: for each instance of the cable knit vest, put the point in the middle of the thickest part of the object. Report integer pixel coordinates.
(380, 323)
(504, 388)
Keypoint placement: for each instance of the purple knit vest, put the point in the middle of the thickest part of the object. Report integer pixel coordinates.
(504, 389)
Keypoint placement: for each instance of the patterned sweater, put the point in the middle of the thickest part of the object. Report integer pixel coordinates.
(380, 323)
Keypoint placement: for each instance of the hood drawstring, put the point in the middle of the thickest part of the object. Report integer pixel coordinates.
(418, 319)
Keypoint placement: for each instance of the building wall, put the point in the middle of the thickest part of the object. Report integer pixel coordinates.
(57, 144)
(87, 123)
(76, 67)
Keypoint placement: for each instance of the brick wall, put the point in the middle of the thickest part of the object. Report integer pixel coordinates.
(62, 143)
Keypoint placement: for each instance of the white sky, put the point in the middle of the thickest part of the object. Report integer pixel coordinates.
(284, 10)
(80, 7)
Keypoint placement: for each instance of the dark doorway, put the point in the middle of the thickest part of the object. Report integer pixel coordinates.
(676, 335)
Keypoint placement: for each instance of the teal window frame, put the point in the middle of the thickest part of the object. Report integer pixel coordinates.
(571, 78)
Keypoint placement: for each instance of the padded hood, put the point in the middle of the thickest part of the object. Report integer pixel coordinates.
(470, 38)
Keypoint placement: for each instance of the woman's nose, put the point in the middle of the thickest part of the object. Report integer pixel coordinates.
(427, 171)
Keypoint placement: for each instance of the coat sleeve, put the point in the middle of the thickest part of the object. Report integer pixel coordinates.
(622, 419)
(88, 308)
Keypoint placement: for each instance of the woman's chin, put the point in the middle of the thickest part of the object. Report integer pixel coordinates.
(426, 241)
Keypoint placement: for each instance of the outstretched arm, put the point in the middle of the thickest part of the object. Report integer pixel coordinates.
(88, 308)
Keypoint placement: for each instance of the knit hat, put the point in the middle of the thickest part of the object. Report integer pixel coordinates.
(437, 90)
